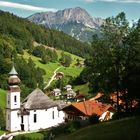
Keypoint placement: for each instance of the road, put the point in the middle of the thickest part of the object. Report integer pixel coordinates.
(52, 78)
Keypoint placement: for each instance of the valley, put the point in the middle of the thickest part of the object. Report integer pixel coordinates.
(68, 73)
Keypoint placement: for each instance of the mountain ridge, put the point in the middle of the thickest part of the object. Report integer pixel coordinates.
(76, 22)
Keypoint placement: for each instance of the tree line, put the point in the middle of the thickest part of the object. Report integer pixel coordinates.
(115, 62)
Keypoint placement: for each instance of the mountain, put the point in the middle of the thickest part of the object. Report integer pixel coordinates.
(73, 21)
(24, 33)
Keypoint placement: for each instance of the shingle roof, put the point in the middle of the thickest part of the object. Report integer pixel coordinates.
(38, 100)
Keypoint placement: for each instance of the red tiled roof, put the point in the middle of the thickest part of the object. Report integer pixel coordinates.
(91, 107)
(99, 95)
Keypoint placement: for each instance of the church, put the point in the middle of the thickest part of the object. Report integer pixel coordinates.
(37, 111)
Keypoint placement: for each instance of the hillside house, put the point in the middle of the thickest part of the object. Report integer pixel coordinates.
(68, 87)
(59, 75)
(83, 110)
(56, 92)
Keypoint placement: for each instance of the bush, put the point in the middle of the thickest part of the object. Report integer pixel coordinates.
(32, 136)
(94, 119)
(73, 126)
(66, 128)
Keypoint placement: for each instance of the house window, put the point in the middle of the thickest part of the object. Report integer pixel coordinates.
(22, 120)
(15, 98)
(35, 118)
(52, 114)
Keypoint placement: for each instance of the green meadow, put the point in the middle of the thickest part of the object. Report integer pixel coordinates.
(2, 98)
(50, 67)
(124, 129)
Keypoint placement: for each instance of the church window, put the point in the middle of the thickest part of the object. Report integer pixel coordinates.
(15, 98)
(52, 114)
(22, 120)
(35, 118)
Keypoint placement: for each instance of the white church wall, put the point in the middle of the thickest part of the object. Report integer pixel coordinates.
(12, 102)
(8, 120)
(13, 121)
(45, 118)
(25, 122)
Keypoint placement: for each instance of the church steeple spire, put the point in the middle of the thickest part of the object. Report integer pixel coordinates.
(13, 101)
(13, 78)
(13, 71)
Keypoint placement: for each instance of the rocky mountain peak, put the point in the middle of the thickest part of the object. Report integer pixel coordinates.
(73, 21)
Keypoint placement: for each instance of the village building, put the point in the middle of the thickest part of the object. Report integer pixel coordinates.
(83, 110)
(70, 94)
(56, 92)
(37, 111)
(59, 75)
(98, 96)
(68, 87)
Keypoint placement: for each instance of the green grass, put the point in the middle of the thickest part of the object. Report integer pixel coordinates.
(2, 98)
(125, 129)
(50, 67)
(31, 136)
(1, 132)
(84, 89)
(71, 71)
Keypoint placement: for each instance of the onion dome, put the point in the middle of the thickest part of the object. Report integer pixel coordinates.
(13, 78)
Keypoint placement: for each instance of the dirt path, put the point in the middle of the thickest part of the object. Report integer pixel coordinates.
(52, 78)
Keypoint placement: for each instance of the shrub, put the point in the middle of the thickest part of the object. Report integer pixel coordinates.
(94, 119)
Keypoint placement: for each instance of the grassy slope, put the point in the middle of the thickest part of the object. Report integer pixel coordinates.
(125, 129)
(32, 136)
(82, 88)
(2, 98)
(50, 67)
(1, 132)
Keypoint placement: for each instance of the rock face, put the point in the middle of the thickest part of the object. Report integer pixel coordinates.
(73, 21)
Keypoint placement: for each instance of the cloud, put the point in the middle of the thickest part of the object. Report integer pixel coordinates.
(115, 1)
(25, 7)
(89, 1)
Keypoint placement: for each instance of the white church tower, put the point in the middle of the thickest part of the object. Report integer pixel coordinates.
(13, 102)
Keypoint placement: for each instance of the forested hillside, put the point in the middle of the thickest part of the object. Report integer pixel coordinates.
(17, 35)
(24, 33)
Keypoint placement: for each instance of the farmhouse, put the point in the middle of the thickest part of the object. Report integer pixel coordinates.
(83, 110)
(37, 111)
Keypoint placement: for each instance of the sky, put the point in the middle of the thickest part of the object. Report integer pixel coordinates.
(96, 8)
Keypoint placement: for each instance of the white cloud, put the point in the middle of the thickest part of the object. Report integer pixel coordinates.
(24, 6)
(89, 1)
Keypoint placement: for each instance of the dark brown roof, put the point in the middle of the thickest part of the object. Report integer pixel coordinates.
(38, 100)
(14, 88)
(13, 80)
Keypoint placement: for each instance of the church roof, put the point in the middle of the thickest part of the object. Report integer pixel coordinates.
(38, 100)
(13, 71)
